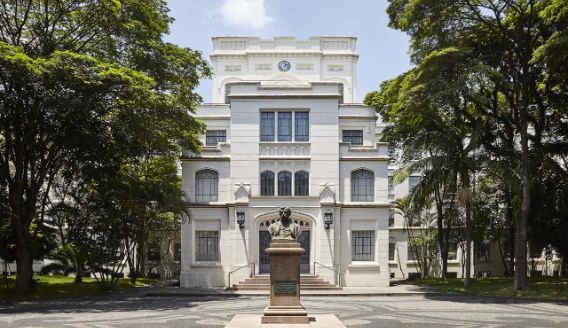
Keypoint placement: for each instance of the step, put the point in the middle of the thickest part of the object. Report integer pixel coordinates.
(267, 287)
(266, 281)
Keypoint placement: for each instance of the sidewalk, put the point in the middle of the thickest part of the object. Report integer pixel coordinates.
(398, 290)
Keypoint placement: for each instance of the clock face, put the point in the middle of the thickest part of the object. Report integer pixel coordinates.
(284, 66)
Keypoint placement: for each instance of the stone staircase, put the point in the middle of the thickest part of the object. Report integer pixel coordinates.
(307, 282)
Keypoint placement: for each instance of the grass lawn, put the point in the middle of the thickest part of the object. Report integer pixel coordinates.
(50, 287)
(546, 288)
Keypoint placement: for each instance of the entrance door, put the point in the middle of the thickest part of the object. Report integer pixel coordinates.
(304, 239)
(264, 243)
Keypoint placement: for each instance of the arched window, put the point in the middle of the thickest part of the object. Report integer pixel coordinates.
(284, 183)
(267, 183)
(301, 183)
(206, 186)
(362, 186)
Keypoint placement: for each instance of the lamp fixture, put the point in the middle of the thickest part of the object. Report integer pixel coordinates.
(241, 218)
(328, 219)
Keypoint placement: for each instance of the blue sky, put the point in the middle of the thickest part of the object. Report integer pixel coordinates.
(383, 51)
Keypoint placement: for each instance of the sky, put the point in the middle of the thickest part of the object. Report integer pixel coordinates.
(383, 52)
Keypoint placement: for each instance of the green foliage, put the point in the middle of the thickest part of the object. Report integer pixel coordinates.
(545, 288)
(62, 287)
(93, 88)
(489, 89)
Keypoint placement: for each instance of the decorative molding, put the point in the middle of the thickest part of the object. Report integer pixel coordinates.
(232, 68)
(286, 150)
(233, 45)
(327, 194)
(242, 193)
(263, 67)
(335, 68)
(304, 67)
(335, 45)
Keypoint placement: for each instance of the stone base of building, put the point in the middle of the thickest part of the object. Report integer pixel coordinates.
(315, 321)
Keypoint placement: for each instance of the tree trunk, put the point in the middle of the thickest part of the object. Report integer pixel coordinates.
(511, 226)
(443, 246)
(521, 227)
(24, 261)
(468, 227)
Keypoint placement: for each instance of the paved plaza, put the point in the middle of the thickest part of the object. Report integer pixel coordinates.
(394, 311)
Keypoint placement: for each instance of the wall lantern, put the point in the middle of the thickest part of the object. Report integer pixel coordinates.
(328, 218)
(241, 219)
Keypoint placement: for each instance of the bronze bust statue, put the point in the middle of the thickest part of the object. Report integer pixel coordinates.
(284, 229)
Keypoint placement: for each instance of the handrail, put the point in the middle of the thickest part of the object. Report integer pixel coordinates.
(329, 268)
(241, 267)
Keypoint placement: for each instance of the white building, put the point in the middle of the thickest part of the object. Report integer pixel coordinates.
(283, 131)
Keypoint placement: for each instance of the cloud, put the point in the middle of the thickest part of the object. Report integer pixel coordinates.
(245, 13)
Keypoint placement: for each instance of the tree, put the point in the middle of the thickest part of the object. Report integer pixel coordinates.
(84, 81)
(506, 47)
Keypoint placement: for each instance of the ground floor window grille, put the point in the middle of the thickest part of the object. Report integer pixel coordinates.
(363, 245)
(207, 245)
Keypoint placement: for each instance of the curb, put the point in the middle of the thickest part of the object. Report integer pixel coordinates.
(307, 294)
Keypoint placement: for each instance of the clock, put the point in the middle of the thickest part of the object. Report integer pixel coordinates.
(284, 66)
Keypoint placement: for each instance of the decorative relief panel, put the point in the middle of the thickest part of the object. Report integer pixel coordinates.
(232, 68)
(242, 192)
(287, 150)
(304, 67)
(263, 67)
(335, 45)
(335, 68)
(233, 45)
(327, 194)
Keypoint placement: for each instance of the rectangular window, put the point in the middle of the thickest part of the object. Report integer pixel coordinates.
(302, 126)
(284, 126)
(177, 252)
(411, 255)
(452, 251)
(267, 126)
(363, 245)
(391, 188)
(207, 245)
(413, 182)
(154, 253)
(355, 137)
(391, 218)
(214, 137)
(391, 251)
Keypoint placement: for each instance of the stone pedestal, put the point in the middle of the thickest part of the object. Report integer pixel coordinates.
(285, 306)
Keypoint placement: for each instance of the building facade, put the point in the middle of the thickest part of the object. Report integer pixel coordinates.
(283, 131)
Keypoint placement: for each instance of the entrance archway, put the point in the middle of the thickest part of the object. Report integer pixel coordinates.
(264, 242)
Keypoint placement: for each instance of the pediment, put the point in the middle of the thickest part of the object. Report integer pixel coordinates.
(327, 194)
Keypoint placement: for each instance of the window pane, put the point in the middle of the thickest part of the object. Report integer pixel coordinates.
(207, 245)
(206, 182)
(284, 126)
(363, 245)
(267, 126)
(301, 183)
(302, 126)
(362, 186)
(391, 251)
(390, 188)
(413, 182)
(214, 137)
(284, 183)
(355, 137)
(267, 183)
